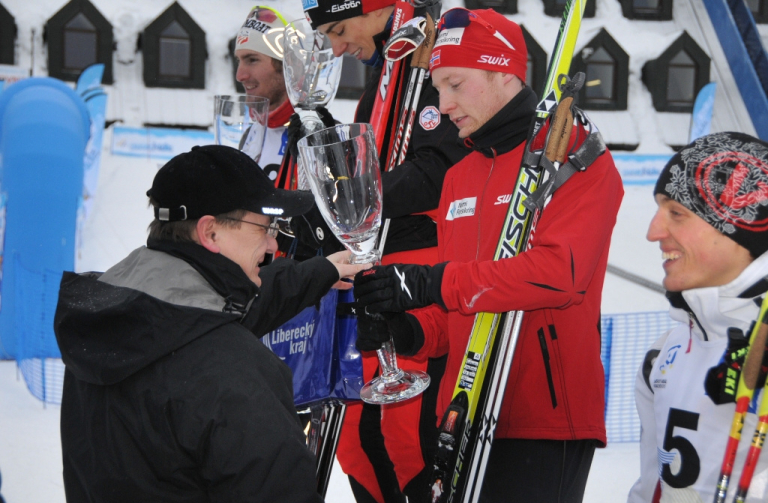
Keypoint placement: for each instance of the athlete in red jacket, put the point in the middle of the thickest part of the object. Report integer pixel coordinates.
(552, 414)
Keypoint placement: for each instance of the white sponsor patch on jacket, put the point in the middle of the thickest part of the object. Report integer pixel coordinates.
(451, 36)
(461, 208)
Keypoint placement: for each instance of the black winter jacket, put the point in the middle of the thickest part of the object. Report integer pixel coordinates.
(167, 395)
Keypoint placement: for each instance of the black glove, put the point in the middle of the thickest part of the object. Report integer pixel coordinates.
(295, 133)
(399, 287)
(374, 330)
(722, 380)
(312, 232)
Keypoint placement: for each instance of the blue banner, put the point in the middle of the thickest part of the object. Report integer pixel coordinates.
(156, 143)
(640, 169)
(701, 119)
(90, 89)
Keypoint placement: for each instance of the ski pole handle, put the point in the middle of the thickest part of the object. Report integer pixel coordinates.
(421, 55)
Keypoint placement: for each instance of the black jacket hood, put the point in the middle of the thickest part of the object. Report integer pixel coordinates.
(107, 328)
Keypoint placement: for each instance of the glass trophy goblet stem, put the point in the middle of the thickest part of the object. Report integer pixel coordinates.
(393, 384)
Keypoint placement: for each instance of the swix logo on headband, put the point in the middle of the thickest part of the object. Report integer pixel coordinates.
(494, 60)
(451, 36)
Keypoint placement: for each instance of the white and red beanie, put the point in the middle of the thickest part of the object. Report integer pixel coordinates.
(723, 178)
(320, 12)
(481, 39)
(263, 32)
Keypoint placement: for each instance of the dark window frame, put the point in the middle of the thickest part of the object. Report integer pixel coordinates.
(539, 58)
(621, 76)
(8, 33)
(762, 14)
(54, 30)
(551, 8)
(500, 6)
(151, 50)
(663, 14)
(655, 74)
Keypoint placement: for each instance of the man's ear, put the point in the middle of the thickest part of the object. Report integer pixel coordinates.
(206, 233)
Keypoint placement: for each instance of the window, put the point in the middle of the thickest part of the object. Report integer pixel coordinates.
(354, 75)
(500, 6)
(7, 37)
(555, 8)
(537, 63)
(606, 66)
(759, 9)
(681, 87)
(78, 36)
(80, 42)
(675, 77)
(174, 51)
(658, 10)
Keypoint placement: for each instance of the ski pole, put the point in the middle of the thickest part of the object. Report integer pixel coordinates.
(387, 89)
(419, 65)
(758, 438)
(333, 417)
(744, 392)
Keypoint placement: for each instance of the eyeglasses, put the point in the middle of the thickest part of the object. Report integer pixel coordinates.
(272, 229)
(460, 18)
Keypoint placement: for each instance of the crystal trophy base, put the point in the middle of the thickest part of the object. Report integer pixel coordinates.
(395, 387)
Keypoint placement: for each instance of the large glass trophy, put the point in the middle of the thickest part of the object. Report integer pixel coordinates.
(311, 73)
(240, 121)
(342, 167)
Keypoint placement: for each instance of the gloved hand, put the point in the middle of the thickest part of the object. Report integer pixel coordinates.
(312, 232)
(374, 330)
(295, 133)
(722, 380)
(399, 287)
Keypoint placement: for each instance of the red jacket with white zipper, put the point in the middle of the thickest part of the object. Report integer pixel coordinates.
(556, 384)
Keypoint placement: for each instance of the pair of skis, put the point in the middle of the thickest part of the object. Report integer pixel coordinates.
(467, 428)
(751, 370)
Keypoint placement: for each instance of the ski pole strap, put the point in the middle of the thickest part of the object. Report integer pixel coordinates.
(592, 148)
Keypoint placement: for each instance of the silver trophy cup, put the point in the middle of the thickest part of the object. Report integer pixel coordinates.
(311, 73)
(240, 121)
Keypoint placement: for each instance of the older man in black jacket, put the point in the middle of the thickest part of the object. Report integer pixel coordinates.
(168, 393)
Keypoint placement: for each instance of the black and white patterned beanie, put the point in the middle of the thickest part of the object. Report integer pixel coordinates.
(723, 178)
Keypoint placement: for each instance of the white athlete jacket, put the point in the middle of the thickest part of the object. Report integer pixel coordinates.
(684, 434)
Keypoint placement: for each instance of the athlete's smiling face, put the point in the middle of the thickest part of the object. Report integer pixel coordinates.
(695, 254)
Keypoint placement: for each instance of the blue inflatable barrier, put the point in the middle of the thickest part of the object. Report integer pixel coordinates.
(44, 129)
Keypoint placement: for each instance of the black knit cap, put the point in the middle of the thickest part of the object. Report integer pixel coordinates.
(320, 12)
(215, 179)
(723, 178)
